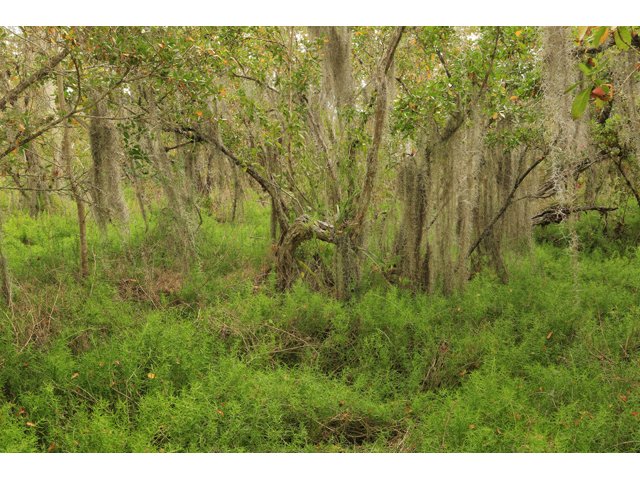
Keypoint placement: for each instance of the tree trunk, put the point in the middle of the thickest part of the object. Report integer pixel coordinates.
(67, 161)
(36, 184)
(107, 191)
(302, 229)
(273, 223)
(5, 275)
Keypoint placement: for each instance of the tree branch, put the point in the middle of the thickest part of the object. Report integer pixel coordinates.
(378, 130)
(629, 184)
(262, 84)
(557, 215)
(48, 67)
(74, 111)
(493, 57)
(391, 49)
(506, 203)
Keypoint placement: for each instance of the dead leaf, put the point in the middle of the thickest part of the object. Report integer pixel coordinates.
(550, 333)
(598, 92)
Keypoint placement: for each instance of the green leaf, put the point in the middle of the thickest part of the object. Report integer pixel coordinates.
(572, 87)
(625, 35)
(584, 68)
(619, 43)
(599, 34)
(580, 103)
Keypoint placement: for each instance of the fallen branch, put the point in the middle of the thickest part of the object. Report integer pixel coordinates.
(557, 215)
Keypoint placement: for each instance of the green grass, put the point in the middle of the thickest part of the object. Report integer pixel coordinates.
(144, 356)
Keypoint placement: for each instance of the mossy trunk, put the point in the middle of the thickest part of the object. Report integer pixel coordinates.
(107, 191)
(5, 275)
(67, 162)
(302, 229)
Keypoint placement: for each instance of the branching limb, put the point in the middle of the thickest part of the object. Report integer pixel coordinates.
(629, 184)
(73, 111)
(13, 95)
(507, 202)
(555, 215)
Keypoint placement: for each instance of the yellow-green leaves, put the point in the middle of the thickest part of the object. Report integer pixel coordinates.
(601, 35)
(582, 31)
(622, 37)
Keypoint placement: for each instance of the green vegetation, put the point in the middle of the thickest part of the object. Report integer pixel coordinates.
(319, 239)
(140, 357)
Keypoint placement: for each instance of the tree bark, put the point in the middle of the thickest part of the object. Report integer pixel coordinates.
(5, 275)
(75, 189)
(302, 229)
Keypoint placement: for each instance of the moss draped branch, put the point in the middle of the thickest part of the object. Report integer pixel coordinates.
(47, 69)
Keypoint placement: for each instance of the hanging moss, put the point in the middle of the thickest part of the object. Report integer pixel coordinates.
(106, 189)
(626, 87)
(337, 82)
(572, 142)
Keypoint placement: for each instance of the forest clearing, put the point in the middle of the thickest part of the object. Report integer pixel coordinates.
(319, 239)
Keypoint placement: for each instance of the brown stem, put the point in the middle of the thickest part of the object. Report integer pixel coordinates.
(378, 131)
(68, 166)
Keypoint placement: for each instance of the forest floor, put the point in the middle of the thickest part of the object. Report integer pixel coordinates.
(145, 356)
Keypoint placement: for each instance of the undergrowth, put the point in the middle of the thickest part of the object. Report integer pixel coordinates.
(146, 356)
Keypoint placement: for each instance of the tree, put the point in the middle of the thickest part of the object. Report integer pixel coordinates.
(431, 136)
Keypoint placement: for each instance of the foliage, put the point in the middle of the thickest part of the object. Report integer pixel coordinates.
(319, 239)
(214, 366)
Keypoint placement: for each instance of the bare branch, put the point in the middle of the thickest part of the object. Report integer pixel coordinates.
(507, 202)
(48, 67)
(74, 111)
(391, 49)
(557, 215)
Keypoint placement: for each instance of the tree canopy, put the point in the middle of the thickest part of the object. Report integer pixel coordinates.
(428, 151)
